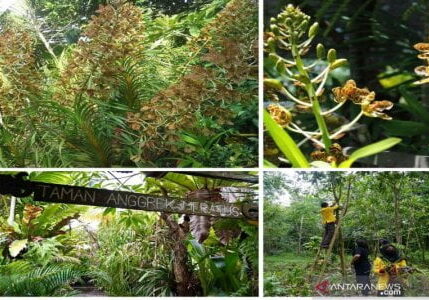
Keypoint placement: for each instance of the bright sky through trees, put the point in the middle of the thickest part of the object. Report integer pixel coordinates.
(16, 6)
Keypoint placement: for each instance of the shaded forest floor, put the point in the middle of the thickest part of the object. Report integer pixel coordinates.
(286, 274)
(89, 291)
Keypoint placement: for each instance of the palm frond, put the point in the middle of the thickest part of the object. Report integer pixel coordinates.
(42, 281)
(131, 85)
(156, 282)
(90, 135)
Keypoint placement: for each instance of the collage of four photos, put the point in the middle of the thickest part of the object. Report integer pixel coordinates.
(214, 148)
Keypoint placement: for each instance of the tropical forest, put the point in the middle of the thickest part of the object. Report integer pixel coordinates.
(346, 83)
(139, 83)
(378, 236)
(70, 234)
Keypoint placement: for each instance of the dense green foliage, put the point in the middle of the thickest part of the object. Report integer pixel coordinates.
(137, 89)
(173, 7)
(60, 250)
(382, 205)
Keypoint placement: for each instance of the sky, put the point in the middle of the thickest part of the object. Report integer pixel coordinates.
(17, 6)
(128, 178)
(283, 196)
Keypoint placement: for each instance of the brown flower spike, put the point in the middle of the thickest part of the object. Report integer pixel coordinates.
(281, 115)
(376, 109)
(336, 155)
(422, 70)
(351, 92)
(363, 97)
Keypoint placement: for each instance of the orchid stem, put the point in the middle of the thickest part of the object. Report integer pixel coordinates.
(285, 92)
(313, 98)
(348, 126)
(336, 107)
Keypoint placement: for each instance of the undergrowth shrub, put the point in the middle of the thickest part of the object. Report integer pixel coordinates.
(123, 262)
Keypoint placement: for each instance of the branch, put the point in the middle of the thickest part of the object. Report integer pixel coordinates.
(348, 196)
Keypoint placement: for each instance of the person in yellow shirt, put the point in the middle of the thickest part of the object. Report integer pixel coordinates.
(389, 267)
(329, 220)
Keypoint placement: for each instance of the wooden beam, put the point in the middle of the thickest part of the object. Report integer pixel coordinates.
(57, 193)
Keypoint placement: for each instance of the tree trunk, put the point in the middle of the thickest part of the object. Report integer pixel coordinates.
(182, 274)
(408, 240)
(300, 235)
(396, 199)
(186, 283)
(340, 233)
(421, 247)
(342, 254)
(37, 28)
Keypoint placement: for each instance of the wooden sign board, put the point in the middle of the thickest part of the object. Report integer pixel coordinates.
(57, 193)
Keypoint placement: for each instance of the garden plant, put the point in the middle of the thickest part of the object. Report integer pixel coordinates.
(59, 249)
(128, 83)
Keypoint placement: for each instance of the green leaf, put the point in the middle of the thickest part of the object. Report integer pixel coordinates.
(268, 164)
(182, 180)
(16, 247)
(392, 80)
(405, 128)
(410, 103)
(187, 138)
(194, 30)
(214, 140)
(370, 150)
(51, 177)
(109, 210)
(285, 143)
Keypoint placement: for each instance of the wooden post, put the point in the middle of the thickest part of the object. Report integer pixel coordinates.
(11, 218)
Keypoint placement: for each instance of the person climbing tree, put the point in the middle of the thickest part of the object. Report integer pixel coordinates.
(362, 266)
(388, 267)
(329, 220)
